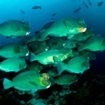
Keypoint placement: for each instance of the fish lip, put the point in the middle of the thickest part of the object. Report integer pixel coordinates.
(82, 29)
(27, 33)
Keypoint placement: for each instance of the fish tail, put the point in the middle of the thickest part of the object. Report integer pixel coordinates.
(40, 7)
(43, 34)
(80, 47)
(60, 67)
(32, 57)
(7, 83)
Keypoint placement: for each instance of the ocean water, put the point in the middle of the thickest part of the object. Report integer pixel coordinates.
(93, 15)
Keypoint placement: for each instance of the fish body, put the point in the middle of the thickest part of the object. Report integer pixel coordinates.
(30, 81)
(76, 64)
(51, 56)
(36, 7)
(65, 79)
(14, 28)
(13, 50)
(77, 10)
(83, 36)
(95, 43)
(100, 3)
(38, 46)
(13, 64)
(65, 27)
(85, 4)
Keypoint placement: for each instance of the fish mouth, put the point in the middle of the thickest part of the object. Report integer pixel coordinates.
(27, 33)
(82, 29)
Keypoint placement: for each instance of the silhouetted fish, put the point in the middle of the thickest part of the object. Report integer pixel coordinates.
(77, 10)
(36, 7)
(52, 18)
(85, 4)
(100, 3)
(54, 14)
(22, 11)
(90, 3)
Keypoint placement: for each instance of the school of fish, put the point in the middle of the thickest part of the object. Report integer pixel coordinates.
(56, 54)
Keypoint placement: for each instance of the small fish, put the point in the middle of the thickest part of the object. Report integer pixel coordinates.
(77, 10)
(22, 11)
(100, 3)
(54, 14)
(90, 3)
(36, 7)
(52, 18)
(85, 4)
(55, 43)
(65, 79)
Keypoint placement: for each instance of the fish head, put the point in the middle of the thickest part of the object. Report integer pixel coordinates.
(85, 65)
(80, 26)
(44, 80)
(24, 28)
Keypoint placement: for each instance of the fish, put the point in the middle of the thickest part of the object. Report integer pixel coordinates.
(54, 14)
(13, 50)
(55, 43)
(85, 4)
(52, 72)
(65, 27)
(38, 33)
(88, 54)
(14, 28)
(38, 46)
(83, 36)
(70, 44)
(100, 3)
(77, 10)
(76, 65)
(51, 56)
(14, 64)
(28, 81)
(36, 7)
(65, 79)
(36, 66)
(90, 3)
(22, 11)
(52, 18)
(95, 43)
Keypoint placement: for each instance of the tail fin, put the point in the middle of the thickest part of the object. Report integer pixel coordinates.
(60, 67)
(7, 83)
(40, 7)
(43, 34)
(80, 47)
(32, 57)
